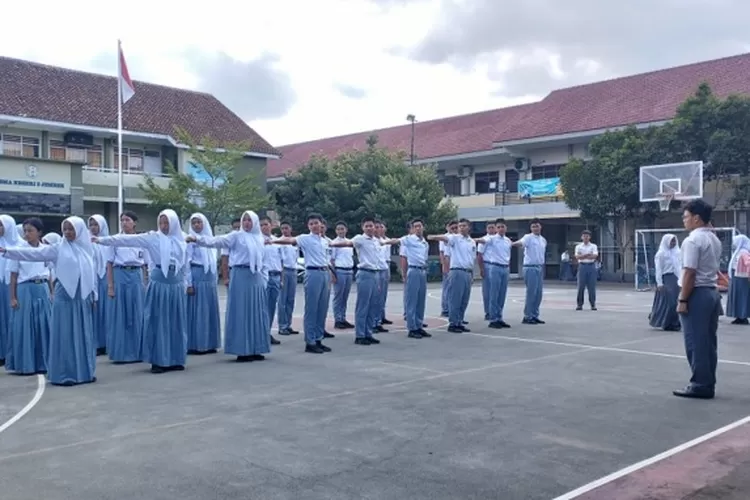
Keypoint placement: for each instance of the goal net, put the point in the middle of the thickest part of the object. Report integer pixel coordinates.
(647, 243)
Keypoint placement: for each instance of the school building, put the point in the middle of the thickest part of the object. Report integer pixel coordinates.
(58, 141)
(505, 162)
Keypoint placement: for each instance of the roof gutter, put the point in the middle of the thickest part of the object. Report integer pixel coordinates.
(460, 156)
(111, 131)
(574, 135)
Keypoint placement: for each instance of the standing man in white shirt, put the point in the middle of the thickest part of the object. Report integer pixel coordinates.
(463, 253)
(369, 252)
(414, 251)
(342, 261)
(384, 277)
(491, 231)
(332, 282)
(586, 253)
(272, 261)
(445, 264)
(534, 249)
(288, 293)
(494, 250)
(699, 303)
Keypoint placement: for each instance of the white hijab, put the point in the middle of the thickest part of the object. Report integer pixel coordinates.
(75, 260)
(208, 255)
(100, 264)
(673, 254)
(739, 243)
(19, 231)
(254, 241)
(51, 238)
(9, 238)
(175, 240)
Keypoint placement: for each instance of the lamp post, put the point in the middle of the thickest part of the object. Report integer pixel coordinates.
(413, 120)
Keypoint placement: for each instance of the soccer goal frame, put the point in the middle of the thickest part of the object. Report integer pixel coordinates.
(647, 244)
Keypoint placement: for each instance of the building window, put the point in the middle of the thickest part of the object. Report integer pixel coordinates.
(546, 171)
(17, 145)
(452, 185)
(511, 180)
(93, 156)
(486, 182)
(133, 160)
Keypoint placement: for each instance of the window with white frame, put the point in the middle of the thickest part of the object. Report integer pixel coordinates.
(92, 156)
(486, 182)
(19, 145)
(133, 158)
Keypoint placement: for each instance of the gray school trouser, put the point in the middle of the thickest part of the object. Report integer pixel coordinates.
(699, 328)
(286, 298)
(317, 296)
(532, 277)
(445, 294)
(486, 290)
(497, 284)
(273, 288)
(367, 305)
(460, 292)
(341, 290)
(415, 293)
(587, 280)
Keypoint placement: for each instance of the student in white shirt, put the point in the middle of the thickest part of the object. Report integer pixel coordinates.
(288, 294)
(483, 271)
(204, 323)
(342, 261)
(495, 251)
(667, 268)
(463, 253)
(586, 253)
(273, 263)
(534, 249)
(738, 299)
(369, 252)
(385, 276)
(445, 257)
(225, 255)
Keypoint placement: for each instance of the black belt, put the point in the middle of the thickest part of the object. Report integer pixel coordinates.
(196, 265)
(289, 269)
(240, 266)
(495, 264)
(369, 270)
(274, 273)
(533, 265)
(36, 281)
(317, 268)
(587, 263)
(129, 268)
(462, 269)
(345, 269)
(421, 268)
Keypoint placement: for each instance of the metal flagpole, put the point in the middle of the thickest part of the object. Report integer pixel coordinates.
(120, 189)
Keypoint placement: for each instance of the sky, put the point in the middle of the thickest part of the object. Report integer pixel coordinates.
(299, 70)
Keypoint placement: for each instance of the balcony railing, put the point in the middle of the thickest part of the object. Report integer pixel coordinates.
(479, 200)
(125, 171)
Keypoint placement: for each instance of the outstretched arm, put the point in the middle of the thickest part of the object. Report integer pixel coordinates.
(142, 240)
(338, 244)
(42, 253)
(224, 241)
(284, 240)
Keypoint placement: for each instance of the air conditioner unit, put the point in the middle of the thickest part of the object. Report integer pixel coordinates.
(465, 171)
(521, 164)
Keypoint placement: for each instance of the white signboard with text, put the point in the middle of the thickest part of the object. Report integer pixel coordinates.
(25, 176)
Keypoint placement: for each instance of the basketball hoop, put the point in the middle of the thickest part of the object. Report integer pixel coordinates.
(666, 199)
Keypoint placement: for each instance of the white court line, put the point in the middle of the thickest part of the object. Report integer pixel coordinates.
(41, 384)
(651, 461)
(417, 368)
(613, 348)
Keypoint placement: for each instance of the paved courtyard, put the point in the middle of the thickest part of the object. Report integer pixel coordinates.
(527, 413)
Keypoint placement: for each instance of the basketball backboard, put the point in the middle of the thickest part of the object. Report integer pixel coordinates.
(683, 181)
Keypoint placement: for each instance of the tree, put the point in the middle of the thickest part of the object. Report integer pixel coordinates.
(605, 189)
(373, 181)
(212, 186)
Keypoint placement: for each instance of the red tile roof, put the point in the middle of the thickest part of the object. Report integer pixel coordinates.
(432, 139)
(644, 98)
(62, 95)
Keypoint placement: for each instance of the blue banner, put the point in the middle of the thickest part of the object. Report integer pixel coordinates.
(540, 188)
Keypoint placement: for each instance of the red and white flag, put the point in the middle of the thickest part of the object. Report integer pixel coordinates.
(127, 89)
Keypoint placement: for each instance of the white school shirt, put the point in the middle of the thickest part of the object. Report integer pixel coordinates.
(239, 253)
(149, 244)
(415, 249)
(701, 251)
(443, 247)
(272, 256)
(385, 255)
(369, 251)
(289, 256)
(463, 251)
(534, 248)
(585, 253)
(127, 257)
(496, 249)
(194, 257)
(27, 270)
(342, 257)
(315, 249)
(665, 263)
